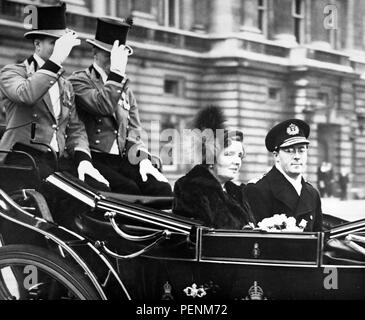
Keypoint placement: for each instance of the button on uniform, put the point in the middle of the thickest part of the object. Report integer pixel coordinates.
(97, 141)
(98, 130)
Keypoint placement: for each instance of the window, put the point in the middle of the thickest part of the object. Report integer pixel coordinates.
(323, 99)
(298, 15)
(262, 16)
(172, 13)
(174, 86)
(274, 94)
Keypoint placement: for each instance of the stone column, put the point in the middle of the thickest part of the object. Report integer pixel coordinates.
(221, 16)
(188, 14)
(99, 7)
(350, 19)
(224, 20)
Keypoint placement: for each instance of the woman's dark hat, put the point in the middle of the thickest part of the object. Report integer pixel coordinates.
(108, 30)
(213, 132)
(287, 133)
(48, 21)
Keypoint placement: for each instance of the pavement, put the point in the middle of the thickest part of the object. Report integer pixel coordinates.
(350, 210)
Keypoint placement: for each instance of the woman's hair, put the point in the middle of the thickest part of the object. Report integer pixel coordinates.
(210, 122)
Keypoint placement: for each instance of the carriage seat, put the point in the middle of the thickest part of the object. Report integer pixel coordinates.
(162, 203)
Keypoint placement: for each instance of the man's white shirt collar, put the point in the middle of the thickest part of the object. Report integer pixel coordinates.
(296, 183)
(39, 60)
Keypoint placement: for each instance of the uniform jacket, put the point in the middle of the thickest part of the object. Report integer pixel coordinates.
(24, 93)
(199, 195)
(109, 111)
(274, 194)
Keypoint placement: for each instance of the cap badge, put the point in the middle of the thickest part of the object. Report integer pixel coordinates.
(292, 130)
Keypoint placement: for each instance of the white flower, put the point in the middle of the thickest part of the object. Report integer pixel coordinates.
(280, 222)
(303, 223)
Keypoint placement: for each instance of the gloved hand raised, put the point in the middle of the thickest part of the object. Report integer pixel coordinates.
(85, 167)
(63, 47)
(118, 58)
(146, 167)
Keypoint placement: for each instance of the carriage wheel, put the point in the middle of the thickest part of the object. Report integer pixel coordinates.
(33, 273)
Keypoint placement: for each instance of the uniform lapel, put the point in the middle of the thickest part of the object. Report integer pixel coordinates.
(65, 98)
(305, 204)
(98, 82)
(32, 67)
(47, 101)
(282, 189)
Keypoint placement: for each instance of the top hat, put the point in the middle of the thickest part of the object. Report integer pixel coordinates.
(287, 133)
(49, 21)
(108, 30)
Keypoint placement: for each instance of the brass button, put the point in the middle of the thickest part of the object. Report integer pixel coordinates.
(97, 141)
(119, 91)
(35, 115)
(51, 82)
(115, 131)
(98, 131)
(99, 120)
(54, 126)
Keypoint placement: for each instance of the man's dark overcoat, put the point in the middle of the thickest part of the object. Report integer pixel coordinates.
(274, 194)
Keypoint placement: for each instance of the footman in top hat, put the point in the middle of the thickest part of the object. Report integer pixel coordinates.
(35, 91)
(283, 189)
(110, 113)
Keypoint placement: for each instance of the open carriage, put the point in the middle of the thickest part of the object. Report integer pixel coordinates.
(99, 245)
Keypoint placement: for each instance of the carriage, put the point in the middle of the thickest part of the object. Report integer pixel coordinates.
(93, 244)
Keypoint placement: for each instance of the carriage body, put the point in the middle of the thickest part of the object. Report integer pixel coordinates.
(134, 248)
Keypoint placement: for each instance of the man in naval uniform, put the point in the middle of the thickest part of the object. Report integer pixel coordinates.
(283, 189)
(109, 110)
(35, 92)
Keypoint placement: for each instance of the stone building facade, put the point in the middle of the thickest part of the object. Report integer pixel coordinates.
(261, 60)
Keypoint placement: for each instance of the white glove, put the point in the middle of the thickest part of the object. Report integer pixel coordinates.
(85, 167)
(146, 167)
(63, 47)
(118, 58)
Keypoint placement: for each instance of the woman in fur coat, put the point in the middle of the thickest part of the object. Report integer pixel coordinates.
(207, 193)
